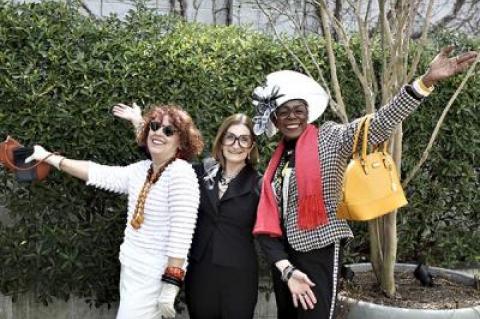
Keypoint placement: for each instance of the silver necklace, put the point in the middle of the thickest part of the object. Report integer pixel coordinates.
(226, 179)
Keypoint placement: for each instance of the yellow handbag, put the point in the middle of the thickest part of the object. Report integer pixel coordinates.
(371, 187)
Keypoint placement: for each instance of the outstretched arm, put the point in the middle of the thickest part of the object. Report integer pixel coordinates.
(110, 178)
(403, 104)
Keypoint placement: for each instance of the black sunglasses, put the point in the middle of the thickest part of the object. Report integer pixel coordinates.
(168, 130)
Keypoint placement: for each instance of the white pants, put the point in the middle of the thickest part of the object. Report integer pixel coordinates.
(138, 295)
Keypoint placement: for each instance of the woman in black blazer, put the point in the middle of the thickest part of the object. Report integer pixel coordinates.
(222, 276)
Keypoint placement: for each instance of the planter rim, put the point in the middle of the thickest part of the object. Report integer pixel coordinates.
(455, 275)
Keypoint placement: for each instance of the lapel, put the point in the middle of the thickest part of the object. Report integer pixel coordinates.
(212, 194)
(241, 185)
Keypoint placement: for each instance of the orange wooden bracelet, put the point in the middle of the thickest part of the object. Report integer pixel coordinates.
(175, 272)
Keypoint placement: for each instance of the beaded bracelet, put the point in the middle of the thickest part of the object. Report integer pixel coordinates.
(288, 272)
(175, 272)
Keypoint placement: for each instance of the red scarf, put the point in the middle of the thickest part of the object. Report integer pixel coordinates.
(311, 207)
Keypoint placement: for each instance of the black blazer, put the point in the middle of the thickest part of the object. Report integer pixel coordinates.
(224, 227)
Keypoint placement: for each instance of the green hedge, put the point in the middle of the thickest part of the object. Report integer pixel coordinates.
(60, 74)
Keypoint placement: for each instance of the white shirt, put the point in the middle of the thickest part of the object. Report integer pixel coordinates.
(170, 212)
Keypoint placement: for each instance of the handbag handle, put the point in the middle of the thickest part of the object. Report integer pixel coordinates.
(365, 140)
(357, 135)
(365, 124)
(366, 128)
(21, 168)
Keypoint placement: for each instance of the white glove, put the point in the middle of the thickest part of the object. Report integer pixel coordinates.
(130, 113)
(166, 300)
(40, 154)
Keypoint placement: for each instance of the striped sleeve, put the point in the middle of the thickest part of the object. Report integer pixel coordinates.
(183, 201)
(383, 122)
(109, 178)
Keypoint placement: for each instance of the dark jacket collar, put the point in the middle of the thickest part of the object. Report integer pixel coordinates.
(240, 185)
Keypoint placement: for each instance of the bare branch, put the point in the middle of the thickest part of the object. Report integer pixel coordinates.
(422, 42)
(85, 7)
(345, 40)
(367, 64)
(332, 62)
(386, 29)
(337, 12)
(196, 7)
(272, 24)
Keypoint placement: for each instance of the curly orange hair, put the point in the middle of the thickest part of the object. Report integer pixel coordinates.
(191, 140)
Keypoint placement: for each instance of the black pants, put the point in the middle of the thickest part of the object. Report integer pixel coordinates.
(322, 267)
(218, 292)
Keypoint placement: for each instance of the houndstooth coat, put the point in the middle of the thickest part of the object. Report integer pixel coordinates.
(335, 142)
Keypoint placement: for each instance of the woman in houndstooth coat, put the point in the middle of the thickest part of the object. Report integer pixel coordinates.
(296, 222)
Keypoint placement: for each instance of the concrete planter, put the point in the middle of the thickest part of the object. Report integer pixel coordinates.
(358, 309)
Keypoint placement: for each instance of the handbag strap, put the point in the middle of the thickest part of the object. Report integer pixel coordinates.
(384, 147)
(366, 128)
(357, 135)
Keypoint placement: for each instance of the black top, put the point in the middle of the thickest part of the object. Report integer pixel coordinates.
(224, 226)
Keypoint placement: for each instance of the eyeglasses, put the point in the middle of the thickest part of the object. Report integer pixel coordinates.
(168, 130)
(244, 141)
(300, 111)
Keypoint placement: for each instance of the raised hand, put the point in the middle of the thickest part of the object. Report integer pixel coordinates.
(300, 288)
(443, 66)
(130, 113)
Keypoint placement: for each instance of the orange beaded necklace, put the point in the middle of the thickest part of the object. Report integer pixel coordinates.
(137, 219)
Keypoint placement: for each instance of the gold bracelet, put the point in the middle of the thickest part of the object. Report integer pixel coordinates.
(420, 87)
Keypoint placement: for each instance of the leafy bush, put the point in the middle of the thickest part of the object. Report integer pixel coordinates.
(62, 72)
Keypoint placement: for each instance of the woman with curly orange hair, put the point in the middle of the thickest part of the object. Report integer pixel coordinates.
(163, 197)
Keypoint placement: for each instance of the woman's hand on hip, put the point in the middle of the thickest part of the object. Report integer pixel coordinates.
(301, 289)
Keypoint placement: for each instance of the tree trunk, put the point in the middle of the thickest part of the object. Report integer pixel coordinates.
(376, 257)
(389, 254)
(384, 252)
